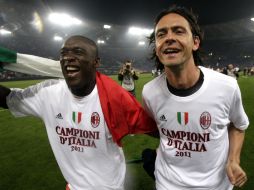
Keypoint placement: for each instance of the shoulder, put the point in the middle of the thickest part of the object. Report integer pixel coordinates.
(39, 89)
(50, 85)
(154, 84)
(219, 79)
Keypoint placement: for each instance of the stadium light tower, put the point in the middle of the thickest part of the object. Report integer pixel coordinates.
(139, 31)
(106, 26)
(37, 22)
(141, 43)
(64, 19)
(58, 38)
(5, 32)
(100, 41)
(252, 19)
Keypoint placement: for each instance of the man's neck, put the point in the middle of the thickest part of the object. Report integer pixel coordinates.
(81, 92)
(182, 77)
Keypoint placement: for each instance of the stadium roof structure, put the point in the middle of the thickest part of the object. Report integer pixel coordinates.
(227, 25)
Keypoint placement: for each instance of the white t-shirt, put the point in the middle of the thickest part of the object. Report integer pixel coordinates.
(77, 132)
(128, 82)
(194, 141)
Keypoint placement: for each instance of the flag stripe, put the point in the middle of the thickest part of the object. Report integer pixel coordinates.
(179, 117)
(186, 117)
(73, 116)
(29, 64)
(7, 56)
(79, 117)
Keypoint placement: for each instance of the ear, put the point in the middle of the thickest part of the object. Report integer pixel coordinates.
(97, 62)
(196, 43)
(156, 51)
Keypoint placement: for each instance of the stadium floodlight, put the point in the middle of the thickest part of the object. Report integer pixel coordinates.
(64, 19)
(252, 19)
(5, 32)
(141, 43)
(100, 41)
(139, 31)
(58, 38)
(106, 26)
(37, 22)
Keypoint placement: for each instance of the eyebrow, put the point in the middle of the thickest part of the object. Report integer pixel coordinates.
(73, 48)
(164, 29)
(173, 28)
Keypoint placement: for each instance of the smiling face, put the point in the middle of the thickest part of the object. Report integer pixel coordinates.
(78, 58)
(174, 42)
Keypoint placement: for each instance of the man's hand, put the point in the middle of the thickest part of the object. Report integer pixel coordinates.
(4, 92)
(121, 72)
(236, 174)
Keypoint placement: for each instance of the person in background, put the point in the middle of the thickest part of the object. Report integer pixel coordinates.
(86, 115)
(198, 111)
(233, 71)
(127, 75)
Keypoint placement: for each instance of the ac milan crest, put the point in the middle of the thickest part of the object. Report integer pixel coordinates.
(205, 120)
(95, 119)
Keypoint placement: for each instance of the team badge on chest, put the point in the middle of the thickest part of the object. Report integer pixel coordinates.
(76, 117)
(205, 120)
(95, 119)
(182, 118)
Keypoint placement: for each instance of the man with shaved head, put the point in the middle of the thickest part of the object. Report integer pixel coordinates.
(86, 116)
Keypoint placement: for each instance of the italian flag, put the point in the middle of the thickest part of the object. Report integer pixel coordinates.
(76, 117)
(182, 118)
(29, 64)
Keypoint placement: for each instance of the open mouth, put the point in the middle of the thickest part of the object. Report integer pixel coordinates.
(171, 51)
(71, 70)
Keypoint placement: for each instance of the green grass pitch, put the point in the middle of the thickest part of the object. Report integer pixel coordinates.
(27, 162)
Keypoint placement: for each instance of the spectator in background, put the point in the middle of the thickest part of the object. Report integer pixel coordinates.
(127, 75)
(231, 71)
(245, 71)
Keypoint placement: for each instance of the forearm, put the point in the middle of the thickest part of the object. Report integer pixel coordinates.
(236, 174)
(236, 139)
(4, 92)
(135, 76)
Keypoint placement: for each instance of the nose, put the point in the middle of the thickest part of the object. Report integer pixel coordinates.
(170, 38)
(66, 58)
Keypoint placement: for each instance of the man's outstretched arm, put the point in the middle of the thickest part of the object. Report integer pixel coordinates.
(4, 92)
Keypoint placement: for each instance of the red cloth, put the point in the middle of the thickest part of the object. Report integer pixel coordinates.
(123, 113)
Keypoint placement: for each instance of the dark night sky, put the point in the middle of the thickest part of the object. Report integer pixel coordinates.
(144, 11)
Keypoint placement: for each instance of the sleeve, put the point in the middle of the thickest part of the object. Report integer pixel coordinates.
(237, 114)
(25, 102)
(146, 105)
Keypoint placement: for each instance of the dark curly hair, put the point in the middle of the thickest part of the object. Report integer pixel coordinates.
(195, 29)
